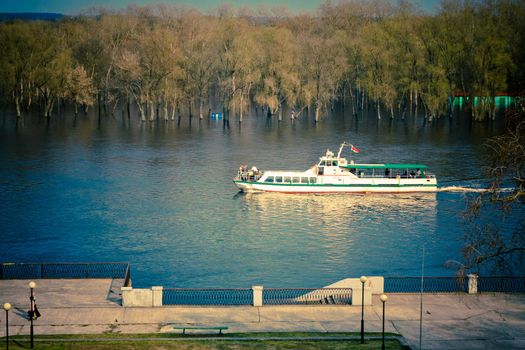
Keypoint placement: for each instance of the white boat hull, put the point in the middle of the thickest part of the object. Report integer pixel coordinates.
(395, 186)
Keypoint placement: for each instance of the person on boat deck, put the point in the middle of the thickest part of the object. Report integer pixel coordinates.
(412, 174)
(254, 172)
(242, 170)
(418, 173)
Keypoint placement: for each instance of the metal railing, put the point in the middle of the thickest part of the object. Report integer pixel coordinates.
(178, 296)
(430, 284)
(508, 284)
(65, 270)
(307, 296)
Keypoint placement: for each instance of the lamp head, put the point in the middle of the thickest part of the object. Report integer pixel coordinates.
(7, 306)
(32, 284)
(383, 297)
(363, 279)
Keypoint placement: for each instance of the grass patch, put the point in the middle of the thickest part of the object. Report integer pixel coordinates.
(234, 341)
(191, 334)
(210, 344)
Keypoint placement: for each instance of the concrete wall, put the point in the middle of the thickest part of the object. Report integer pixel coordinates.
(141, 297)
(375, 283)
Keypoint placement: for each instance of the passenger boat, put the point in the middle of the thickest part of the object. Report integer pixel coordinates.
(334, 174)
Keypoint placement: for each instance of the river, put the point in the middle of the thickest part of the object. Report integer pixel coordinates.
(160, 196)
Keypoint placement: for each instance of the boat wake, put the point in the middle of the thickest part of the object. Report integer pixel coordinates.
(461, 189)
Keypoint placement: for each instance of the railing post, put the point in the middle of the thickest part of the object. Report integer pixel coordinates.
(126, 296)
(472, 283)
(156, 296)
(257, 295)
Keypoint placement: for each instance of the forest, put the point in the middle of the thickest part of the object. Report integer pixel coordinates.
(162, 61)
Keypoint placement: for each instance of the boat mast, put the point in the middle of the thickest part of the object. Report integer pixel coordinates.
(341, 148)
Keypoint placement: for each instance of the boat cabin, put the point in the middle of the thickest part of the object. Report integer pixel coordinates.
(388, 170)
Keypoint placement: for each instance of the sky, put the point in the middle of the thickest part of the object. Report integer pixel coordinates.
(73, 7)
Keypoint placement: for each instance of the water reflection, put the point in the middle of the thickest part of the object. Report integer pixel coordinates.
(333, 236)
(339, 209)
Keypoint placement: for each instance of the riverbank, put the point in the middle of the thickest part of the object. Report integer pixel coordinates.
(450, 321)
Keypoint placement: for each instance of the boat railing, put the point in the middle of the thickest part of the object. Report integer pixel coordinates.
(249, 175)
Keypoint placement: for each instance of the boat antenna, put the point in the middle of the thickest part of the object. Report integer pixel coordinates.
(341, 148)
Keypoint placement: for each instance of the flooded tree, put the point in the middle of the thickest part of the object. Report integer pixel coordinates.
(164, 58)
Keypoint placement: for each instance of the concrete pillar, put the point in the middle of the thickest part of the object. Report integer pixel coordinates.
(357, 295)
(472, 283)
(126, 293)
(257, 295)
(156, 295)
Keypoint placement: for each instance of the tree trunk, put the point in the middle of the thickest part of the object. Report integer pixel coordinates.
(378, 110)
(17, 104)
(179, 117)
(49, 107)
(241, 108)
(29, 99)
(233, 96)
(415, 101)
(280, 112)
(165, 110)
(141, 110)
(151, 111)
(201, 105)
(317, 111)
(142, 114)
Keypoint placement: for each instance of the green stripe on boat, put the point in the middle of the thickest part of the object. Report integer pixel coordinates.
(384, 166)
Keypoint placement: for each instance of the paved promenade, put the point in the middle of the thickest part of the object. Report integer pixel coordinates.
(450, 321)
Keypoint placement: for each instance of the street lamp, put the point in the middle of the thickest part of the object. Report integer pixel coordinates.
(363, 280)
(7, 307)
(383, 298)
(32, 285)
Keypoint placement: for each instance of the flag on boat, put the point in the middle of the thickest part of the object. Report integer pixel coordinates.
(354, 149)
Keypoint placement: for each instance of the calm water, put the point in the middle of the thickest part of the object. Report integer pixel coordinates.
(161, 197)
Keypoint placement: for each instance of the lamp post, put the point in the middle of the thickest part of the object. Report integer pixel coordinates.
(363, 280)
(383, 298)
(32, 285)
(7, 307)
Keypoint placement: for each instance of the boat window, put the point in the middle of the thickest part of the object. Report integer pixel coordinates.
(313, 180)
(287, 179)
(304, 180)
(269, 179)
(334, 163)
(352, 171)
(362, 173)
(278, 179)
(296, 180)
